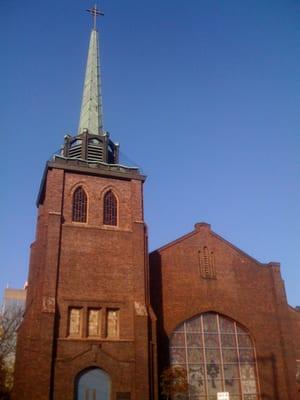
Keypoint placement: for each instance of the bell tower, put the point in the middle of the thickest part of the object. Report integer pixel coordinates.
(88, 329)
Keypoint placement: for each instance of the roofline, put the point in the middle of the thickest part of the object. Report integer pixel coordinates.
(203, 225)
(41, 192)
(294, 309)
(131, 174)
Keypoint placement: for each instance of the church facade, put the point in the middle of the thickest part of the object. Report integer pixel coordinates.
(224, 318)
(105, 320)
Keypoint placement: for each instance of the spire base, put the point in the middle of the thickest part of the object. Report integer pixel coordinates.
(91, 148)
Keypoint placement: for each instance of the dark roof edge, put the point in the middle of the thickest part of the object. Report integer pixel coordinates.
(84, 169)
(100, 169)
(41, 193)
(175, 241)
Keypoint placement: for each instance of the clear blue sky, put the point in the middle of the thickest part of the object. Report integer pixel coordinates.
(204, 95)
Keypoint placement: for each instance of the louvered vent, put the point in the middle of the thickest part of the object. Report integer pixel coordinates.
(91, 148)
(95, 153)
(75, 151)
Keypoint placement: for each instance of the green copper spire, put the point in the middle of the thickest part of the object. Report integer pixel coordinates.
(92, 145)
(91, 107)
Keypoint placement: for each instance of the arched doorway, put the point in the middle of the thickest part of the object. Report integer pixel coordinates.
(216, 354)
(93, 384)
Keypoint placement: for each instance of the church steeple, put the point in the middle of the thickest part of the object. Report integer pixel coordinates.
(91, 117)
(92, 143)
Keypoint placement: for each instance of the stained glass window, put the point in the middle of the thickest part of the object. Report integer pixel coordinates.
(75, 316)
(218, 356)
(110, 215)
(94, 322)
(112, 323)
(79, 209)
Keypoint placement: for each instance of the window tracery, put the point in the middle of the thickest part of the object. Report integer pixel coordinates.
(110, 209)
(217, 355)
(79, 207)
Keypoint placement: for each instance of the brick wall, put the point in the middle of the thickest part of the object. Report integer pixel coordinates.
(244, 290)
(86, 265)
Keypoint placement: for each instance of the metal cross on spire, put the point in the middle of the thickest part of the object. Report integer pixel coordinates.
(95, 13)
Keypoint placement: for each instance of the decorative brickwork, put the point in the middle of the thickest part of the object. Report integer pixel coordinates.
(207, 263)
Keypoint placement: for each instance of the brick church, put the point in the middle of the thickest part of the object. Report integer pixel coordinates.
(105, 320)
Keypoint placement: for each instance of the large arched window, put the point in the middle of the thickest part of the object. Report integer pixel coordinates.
(79, 209)
(110, 209)
(93, 384)
(218, 356)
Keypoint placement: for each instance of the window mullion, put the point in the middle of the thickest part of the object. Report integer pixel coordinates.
(186, 359)
(238, 360)
(204, 355)
(221, 354)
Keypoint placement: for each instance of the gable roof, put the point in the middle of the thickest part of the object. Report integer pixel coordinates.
(203, 226)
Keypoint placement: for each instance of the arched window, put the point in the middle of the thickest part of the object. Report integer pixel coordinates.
(217, 355)
(79, 209)
(93, 384)
(110, 209)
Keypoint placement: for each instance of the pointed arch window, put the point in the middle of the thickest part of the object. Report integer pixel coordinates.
(79, 209)
(110, 209)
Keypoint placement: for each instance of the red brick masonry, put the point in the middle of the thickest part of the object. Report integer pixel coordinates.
(90, 265)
